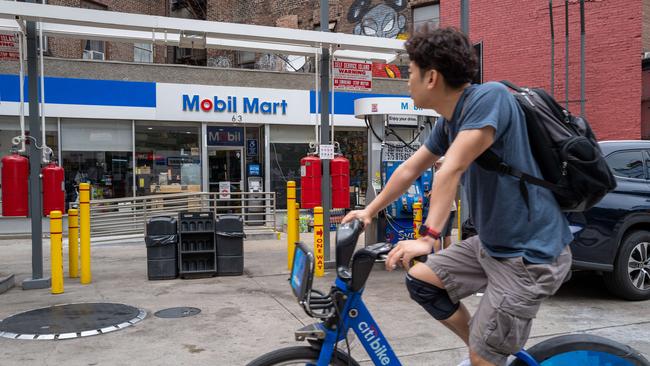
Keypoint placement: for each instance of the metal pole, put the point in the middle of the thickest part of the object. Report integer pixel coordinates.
(582, 58)
(325, 126)
(550, 12)
(566, 54)
(35, 205)
(464, 16)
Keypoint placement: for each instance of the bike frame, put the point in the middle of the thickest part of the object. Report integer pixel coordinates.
(356, 316)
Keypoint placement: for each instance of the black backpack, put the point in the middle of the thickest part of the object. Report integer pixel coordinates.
(565, 148)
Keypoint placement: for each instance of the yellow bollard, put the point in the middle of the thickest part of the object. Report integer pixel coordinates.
(319, 242)
(291, 222)
(417, 219)
(84, 232)
(56, 251)
(73, 242)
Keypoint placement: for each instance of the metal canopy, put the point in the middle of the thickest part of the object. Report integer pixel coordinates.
(108, 25)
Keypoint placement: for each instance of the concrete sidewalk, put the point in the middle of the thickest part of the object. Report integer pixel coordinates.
(243, 317)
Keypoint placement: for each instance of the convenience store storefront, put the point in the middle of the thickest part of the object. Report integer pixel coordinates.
(130, 138)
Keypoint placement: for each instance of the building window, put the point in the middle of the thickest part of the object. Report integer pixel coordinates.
(246, 60)
(426, 14)
(94, 50)
(143, 52)
(167, 157)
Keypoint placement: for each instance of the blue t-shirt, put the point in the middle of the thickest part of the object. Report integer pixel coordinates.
(506, 227)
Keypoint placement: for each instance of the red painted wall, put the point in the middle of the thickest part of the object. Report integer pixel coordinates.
(517, 46)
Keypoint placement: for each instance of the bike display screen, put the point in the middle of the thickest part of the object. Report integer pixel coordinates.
(302, 271)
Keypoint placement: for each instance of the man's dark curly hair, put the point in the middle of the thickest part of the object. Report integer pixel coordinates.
(447, 50)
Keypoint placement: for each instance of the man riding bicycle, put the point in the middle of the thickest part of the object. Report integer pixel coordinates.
(520, 255)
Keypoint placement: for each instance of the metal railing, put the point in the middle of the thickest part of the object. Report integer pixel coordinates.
(128, 216)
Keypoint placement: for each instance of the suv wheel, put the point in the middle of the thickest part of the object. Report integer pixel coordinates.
(631, 276)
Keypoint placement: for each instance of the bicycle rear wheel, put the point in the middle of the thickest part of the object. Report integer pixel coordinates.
(300, 355)
(583, 350)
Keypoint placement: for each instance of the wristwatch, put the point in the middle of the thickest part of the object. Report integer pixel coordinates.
(427, 231)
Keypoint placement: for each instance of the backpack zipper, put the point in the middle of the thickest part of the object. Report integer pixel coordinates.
(566, 116)
(564, 164)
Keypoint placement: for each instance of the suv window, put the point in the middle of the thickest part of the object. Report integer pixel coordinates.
(627, 164)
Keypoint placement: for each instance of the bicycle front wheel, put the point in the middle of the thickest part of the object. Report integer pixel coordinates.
(301, 355)
(583, 350)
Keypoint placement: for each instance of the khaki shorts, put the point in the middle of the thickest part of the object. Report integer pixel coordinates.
(513, 292)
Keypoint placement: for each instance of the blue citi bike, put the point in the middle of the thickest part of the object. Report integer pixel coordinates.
(343, 309)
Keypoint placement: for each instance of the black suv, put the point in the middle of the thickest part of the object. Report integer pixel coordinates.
(615, 235)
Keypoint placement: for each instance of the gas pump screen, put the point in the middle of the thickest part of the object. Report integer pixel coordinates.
(302, 271)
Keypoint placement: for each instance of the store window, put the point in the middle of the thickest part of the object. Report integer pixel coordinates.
(168, 157)
(354, 146)
(285, 166)
(288, 145)
(98, 152)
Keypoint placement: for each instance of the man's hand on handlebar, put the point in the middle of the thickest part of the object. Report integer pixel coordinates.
(361, 215)
(407, 250)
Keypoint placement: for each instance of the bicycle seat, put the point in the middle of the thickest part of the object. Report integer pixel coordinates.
(363, 261)
(346, 240)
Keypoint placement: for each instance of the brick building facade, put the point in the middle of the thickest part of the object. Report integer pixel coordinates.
(116, 51)
(515, 38)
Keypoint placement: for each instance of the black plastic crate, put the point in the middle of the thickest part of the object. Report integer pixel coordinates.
(197, 243)
(198, 264)
(196, 222)
(230, 266)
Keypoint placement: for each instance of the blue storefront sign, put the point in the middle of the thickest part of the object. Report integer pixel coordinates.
(225, 136)
(251, 147)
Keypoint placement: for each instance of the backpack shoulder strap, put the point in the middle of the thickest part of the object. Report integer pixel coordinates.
(489, 160)
(511, 85)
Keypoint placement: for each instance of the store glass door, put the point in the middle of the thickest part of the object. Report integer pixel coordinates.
(225, 176)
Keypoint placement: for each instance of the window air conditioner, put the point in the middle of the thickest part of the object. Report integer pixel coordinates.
(93, 55)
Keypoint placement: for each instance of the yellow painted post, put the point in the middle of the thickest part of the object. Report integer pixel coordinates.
(73, 242)
(84, 232)
(291, 221)
(417, 219)
(319, 242)
(56, 252)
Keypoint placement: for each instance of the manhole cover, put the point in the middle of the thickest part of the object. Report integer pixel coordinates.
(70, 321)
(180, 312)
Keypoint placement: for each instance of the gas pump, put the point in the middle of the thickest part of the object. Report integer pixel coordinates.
(396, 129)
